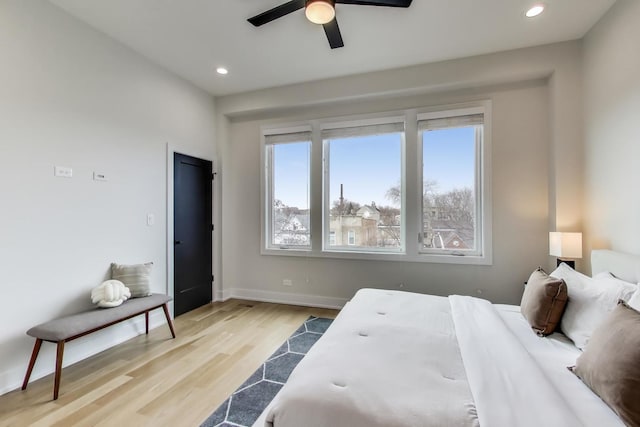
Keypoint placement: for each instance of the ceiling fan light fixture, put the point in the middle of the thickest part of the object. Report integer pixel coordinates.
(320, 11)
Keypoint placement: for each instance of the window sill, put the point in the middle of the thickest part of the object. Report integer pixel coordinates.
(371, 256)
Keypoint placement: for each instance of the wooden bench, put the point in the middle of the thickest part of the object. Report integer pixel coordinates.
(78, 325)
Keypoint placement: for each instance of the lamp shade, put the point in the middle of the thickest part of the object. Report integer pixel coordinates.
(565, 245)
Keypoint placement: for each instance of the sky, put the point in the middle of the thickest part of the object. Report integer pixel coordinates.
(369, 166)
(449, 158)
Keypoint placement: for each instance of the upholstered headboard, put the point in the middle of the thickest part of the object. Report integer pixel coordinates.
(624, 266)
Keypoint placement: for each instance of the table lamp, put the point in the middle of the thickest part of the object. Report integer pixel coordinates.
(566, 246)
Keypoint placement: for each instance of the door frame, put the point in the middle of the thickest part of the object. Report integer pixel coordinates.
(199, 153)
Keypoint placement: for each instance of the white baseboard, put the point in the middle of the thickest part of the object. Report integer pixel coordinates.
(285, 298)
(220, 295)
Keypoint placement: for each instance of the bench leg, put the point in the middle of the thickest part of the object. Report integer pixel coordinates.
(56, 384)
(169, 321)
(32, 362)
(146, 322)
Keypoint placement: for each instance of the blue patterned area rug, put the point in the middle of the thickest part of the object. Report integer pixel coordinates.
(246, 404)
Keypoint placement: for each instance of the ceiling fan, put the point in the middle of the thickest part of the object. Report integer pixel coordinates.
(321, 12)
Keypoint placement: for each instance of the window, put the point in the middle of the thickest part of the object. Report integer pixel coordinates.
(451, 146)
(363, 171)
(287, 195)
(366, 188)
(352, 238)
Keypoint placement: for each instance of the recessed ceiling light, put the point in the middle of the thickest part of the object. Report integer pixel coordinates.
(535, 11)
(222, 70)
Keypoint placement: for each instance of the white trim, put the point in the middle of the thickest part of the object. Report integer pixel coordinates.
(386, 256)
(482, 182)
(285, 298)
(277, 130)
(199, 153)
(350, 122)
(467, 109)
(266, 197)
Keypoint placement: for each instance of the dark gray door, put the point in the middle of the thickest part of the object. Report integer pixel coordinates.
(192, 231)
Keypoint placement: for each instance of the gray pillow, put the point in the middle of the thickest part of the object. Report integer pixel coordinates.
(610, 364)
(136, 277)
(543, 302)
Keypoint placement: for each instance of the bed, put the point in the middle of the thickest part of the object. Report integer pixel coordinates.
(394, 358)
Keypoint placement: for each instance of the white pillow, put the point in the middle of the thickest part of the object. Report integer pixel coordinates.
(590, 301)
(111, 293)
(634, 301)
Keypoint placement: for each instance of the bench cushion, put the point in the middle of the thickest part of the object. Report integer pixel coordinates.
(77, 324)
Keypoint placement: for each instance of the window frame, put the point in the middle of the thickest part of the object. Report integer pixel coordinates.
(411, 182)
(386, 119)
(478, 190)
(267, 190)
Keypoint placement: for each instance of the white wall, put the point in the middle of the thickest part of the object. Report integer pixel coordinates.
(72, 97)
(537, 117)
(612, 141)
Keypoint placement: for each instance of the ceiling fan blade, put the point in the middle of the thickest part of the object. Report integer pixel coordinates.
(389, 3)
(277, 12)
(332, 31)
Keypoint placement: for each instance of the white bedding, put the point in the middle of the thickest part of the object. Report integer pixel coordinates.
(389, 359)
(501, 372)
(553, 354)
(393, 358)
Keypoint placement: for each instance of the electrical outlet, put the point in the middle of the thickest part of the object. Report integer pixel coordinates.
(99, 176)
(287, 282)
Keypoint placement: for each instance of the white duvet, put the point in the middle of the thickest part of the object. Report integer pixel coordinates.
(395, 358)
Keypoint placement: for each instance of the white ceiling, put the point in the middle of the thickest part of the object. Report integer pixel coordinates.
(193, 37)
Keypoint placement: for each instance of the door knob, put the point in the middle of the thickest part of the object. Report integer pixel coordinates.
(177, 242)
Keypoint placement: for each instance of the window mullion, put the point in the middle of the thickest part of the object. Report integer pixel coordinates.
(270, 192)
(479, 220)
(412, 189)
(316, 201)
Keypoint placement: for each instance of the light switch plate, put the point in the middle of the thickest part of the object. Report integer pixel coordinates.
(151, 219)
(63, 172)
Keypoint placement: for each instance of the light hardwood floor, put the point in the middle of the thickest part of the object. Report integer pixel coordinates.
(153, 380)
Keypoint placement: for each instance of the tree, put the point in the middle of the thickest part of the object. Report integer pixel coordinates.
(395, 193)
(390, 225)
(457, 205)
(347, 207)
(289, 224)
(454, 209)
